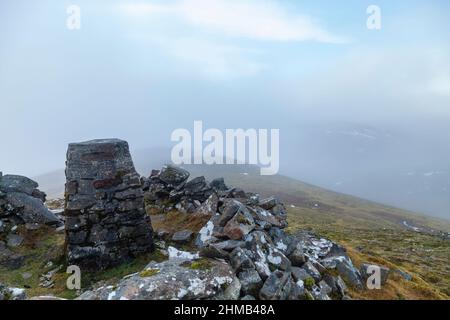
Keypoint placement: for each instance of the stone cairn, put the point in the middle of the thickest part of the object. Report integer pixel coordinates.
(106, 223)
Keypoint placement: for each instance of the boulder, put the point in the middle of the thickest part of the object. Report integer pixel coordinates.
(240, 260)
(349, 273)
(251, 282)
(239, 225)
(277, 286)
(173, 279)
(7, 293)
(9, 259)
(299, 274)
(182, 236)
(218, 184)
(30, 209)
(312, 271)
(19, 184)
(298, 291)
(14, 240)
(173, 175)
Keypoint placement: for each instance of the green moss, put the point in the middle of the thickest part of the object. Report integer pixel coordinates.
(202, 264)
(148, 273)
(242, 219)
(309, 296)
(309, 283)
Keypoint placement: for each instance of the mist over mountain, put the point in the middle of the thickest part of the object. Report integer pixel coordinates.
(386, 166)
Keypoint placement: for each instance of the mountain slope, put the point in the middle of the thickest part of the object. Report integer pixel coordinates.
(372, 232)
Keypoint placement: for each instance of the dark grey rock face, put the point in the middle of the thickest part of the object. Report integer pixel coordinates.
(106, 223)
(169, 189)
(21, 201)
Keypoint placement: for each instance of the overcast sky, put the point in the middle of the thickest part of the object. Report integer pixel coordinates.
(138, 70)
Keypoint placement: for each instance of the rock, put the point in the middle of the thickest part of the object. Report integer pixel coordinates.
(26, 275)
(32, 226)
(365, 274)
(47, 298)
(209, 207)
(218, 184)
(268, 203)
(172, 279)
(340, 286)
(297, 255)
(403, 274)
(312, 271)
(9, 259)
(240, 260)
(198, 189)
(277, 260)
(320, 293)
(228, 245)
(182, 236)
(163, 235)
(251, 282)
(205, 235)
(259, 245)
(231, 292)
(213, 252)
(32, 210)
(240, 225)
(106, 223)
(349, 273)
(277, 286)
(227, 211)
(237, 193)
(284, 242)
(12, 293)
(20, 184)
(299, 274)
(174, 253)
(337, 285)
(248, 297)
(298, 291)
(14, 240)
(324, 287)
(173, 175)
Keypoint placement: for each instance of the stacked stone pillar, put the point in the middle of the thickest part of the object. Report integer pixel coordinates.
(106, 223)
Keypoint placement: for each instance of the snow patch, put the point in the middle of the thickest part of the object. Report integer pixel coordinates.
(174, 253)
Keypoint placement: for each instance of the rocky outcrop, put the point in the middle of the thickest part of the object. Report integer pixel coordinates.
(22, 202)
(168, 189)
(7, 293)
(176, 278)
(106, 222)
(248, 233)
